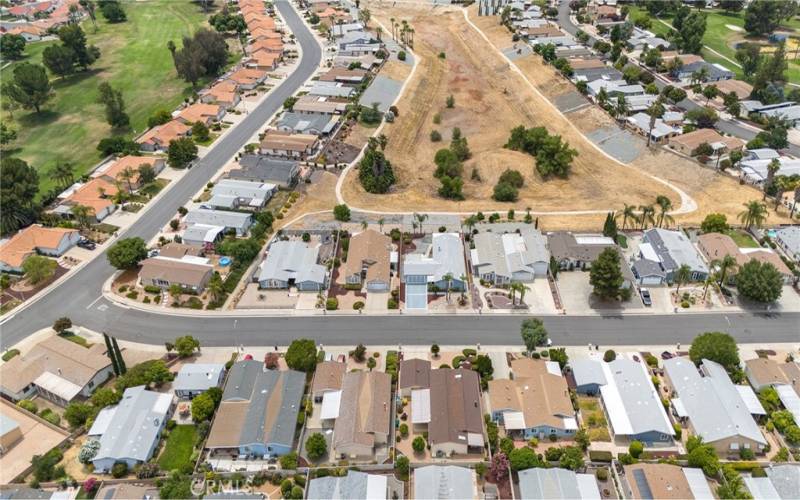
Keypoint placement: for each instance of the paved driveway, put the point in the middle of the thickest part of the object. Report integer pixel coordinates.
(576, 294)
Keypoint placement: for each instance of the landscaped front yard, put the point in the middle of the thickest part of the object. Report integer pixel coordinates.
(594, 418)
(134, 59)
(178, 449)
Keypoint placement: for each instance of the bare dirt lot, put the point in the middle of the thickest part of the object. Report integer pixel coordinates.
(490, 99)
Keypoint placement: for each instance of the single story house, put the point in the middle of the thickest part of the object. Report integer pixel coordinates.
(309, 104)
(288, 145)
(355, 484)
(140, 413)
(331, 89)
(248, 78)
(413, 375)
(318, 124)
(201, 112)
(688, 143)
(258, 413)
(741, 88)
(190, 273)
(224, 93)
(659, 134)
(292, 263)
(363, 419)
(714, 406)
(368, 262)
(344, 75)
(203, 235)
(501, 258)
(327, 378)
(614, 88)
(756, 172)
(32, 240)
(440, 266)
(258, 168)
(96, 194)
(668, 250)
(579, 251)
(788, 239)
(57, 370)
(715, 246)
(714, 72)
(119, 169)
(196, 378)
(784, 377)
(231, 221)
(159, 137)
(557, 484)
(240, 194)
(455, 416)
(667, 481)
(446, 482)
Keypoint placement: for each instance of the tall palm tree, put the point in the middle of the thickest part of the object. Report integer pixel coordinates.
(515, 287)
(772, 169)
(364, 225)
(215, 287)
(420, 219)
(647, 212)
(63, 173)
(621, 108)
(127, 175)
(83, 215)
(664, 206)
(725, 266)
(682, 276)
(379, 32)
(628, 212)
(656, 110)
(754, 214)
(391, 20)
(709, 280)
(449, 279)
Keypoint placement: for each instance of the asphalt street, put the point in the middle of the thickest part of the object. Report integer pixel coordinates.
(80, 296)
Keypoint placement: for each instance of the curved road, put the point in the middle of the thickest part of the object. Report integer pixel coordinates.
(80, 296)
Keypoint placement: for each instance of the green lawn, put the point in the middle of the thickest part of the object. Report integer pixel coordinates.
(742, 239)
(134, 59)
(179, 447)
(72, 337)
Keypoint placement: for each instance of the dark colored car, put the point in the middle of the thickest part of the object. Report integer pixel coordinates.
(666, 355)
(645, 293)
(87, 244)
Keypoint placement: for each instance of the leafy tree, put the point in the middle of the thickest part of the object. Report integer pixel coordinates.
(605, 275)
(118, 145)
(715, 223)
(105, 396)
(733, 487)
(127, 253)
(418, 444)
(716, 346)
(19, 184)
(204, 54)
(703, 117)
(447, 164)
(29, 87)
(451, 188)
(115, 106)
(7, 135)
(59, 59)
(762, 17)
(239, 250)
(582, 439)
(62, 324)
(28, 405)
(12, 46)
(458, 145)
(38, 268)
(635, 449)
(160, 117)
(78, 413)
(181, 152)
(176, 486)
(749, 57)
(571, 458)
(503, 191)
(498, 469)
(146, 373)
(316, 446)
(341, 213)
(370, 114)
(555, 157)
(759, 281)
(302, 355)
(513, 177)
(113, 12)
(533, 333)
(702, 455)
(690, 26)
(524, 458)
(73, 37)
(202, 407)
(186, 346)
(731, 5)
(375, 171)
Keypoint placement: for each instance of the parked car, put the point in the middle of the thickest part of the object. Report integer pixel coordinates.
(87, 244)
(666, 355)
(646, 299)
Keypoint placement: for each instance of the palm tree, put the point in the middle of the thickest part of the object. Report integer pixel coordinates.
(628, 212)
(88, 6)
(682, 276)
(62, 173)
(127, 175)
(380, 223)
(420, 219)
(772, 169)
(83, 215)
(391, 20)
(664, 206)
(449, 279)
(215, 287)
(656, 110)
(754, 214)
(709, 279)
(383, 141)
(621, 109)
(724, 266)
(379, 32)
(515, 287)
(647, 212)
(602, 97)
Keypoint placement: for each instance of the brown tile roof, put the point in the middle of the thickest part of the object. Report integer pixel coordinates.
(23, 244)
(706, 135)
(286, 141)
(336, 74)
(132, 162)
(414, 373)
(57, 356)
(547, 30)
(370, 249)
(328, 376)
(455, 406)
(665, 481)
(175, 271)
(768, 371)
(589, 63)
(716, 246)
(199, 112)
(263, 59)
(246, 76)
(90, 194)
(163, 134)
(266, 44)
(178, 250)
(364, 410)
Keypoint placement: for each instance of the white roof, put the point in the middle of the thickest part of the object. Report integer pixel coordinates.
(790, 400)
(102, 421)
(57, 385)
(697, 483)
(514, 420)
(331, 401)
(761, 488)
(631, 401)
(421, 406)
(553, 368)
(679, 408)
(376, 487)
(593, 239)
(198, 376)
(587, 486)
(751, 400)
(647, 251)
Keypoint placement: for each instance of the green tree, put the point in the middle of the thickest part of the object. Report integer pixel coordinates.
(316, 446)
(78, 413)
(160, 117)
(759, 281)
(176, 486)
(115, 106)
(762, 17)
(38, 268)
(715, 223)
(703, 117)
(681, 276)
(200, 132)
(533, 333)
(635, 449)
(690, 26)
(149, 372)
(73, 37)
(62, 324)
(341, 213)
(59, 59)
(503, 191)
(12, 46)
(749, 57)
(754, 214)
(605, 275)
(111, 355)
(118, 356)
(401, 466)
(733, 487)
(186, 346)
(375, 171)
(718, 347)
(458, 145)
(127, 253)
(181, 152)
(702, 455)
(524, 458)
(105, 396)
(7, 135)
(302, 355)
(571, 458)
(582, 439)
(418, 444)
(114, 13)
(202, 408)
(451, 188)
(29, 87)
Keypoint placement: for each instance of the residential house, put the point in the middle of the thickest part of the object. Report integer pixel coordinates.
(688, 143)
(28, 32)
(630, 400)
(756, 172)
(180, 251)
(439, 266)
(445, 482)
(10, 433)
(201, 112)
(344, 75)
(318, 124)
(120, 169)
(224, 93)
(195, 378)
(556, 484)
(667, 250)
(667, 481)
(355, 484)
(579, 251)
(502, 258)
(368, 262)
(714, 406)
(55, 369)
(327, 379)
(607, 73)
(782, 482)
(257, 168)
(234, 222)
(312, 104)
(248, 78)
(288, 145)
(783, 377)
(272, 45)
(264, 60)
(546, 30)
(614, 88)
(363, 421)
(714, 72)
(788, 239)
(204, 236)
(292, 263)
(32, 240)
(331, 89)
(159, 137)
(414, 375)
(456, 418)
(96, 194)
(535, 403)
(190, 273)
(661, 131)
(239, 194)
(140, 413)
(257, 417)
(715, 246)
(787, 110)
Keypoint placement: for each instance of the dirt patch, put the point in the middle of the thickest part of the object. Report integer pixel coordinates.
(396, 70)
(320, 194)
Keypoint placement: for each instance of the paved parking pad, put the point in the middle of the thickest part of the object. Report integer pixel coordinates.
(518, 51)
(570, 101)
(621, 144)
(383, 91)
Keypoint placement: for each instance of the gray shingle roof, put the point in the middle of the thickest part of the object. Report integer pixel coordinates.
(674, 249)
(265, 169)
(197, 376)
(307, 123)
(292, 259)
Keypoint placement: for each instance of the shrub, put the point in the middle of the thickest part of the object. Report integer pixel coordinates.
(289, 461)
(436, 136)
(678, 431)
(602, 474)
(358, 305)
(62, 324)
(50, 416)
(152, 289)
(636, 448)
(391, 304)
(10, 354)
(332, 304)
(27, 404)
(119, 470)
(600, 456)
(401, 55)
(88, 451)
(609, 356)
(418, 444)
(404, 430)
